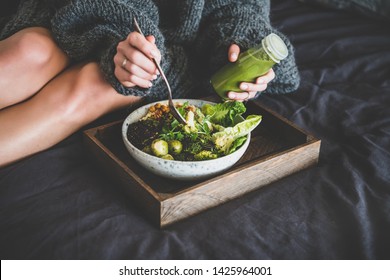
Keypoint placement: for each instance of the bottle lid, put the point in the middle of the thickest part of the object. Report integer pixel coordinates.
(275, 47)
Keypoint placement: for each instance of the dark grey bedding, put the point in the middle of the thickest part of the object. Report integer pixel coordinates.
(57, 205)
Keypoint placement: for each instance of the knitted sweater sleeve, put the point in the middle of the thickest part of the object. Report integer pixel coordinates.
(92, 29)
(244, 22)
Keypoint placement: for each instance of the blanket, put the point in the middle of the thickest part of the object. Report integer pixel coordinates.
(57, 205)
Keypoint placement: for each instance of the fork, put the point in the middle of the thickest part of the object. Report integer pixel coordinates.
(172, 107)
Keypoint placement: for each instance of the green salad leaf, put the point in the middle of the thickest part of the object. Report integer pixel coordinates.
(224, 139)
(224, 113)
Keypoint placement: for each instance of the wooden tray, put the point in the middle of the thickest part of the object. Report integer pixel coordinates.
(278, 148)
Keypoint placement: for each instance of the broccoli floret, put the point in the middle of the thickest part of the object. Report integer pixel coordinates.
(205, 155)
(194, 147)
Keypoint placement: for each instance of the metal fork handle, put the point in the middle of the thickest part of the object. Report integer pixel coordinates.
(172, 107)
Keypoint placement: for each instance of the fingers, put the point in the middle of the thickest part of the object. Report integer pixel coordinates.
(138, 50)
(144, 45)
(262, 86)
(241, 96)
(151, 39)
(133, 60)
(250, 89)
(233, 52)
(132, 75)
(268, 77)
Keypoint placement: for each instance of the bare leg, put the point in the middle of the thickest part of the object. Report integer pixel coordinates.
(28, 60)
(73, 99)
(37, 110)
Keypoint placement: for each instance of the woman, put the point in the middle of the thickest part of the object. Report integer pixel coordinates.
(63, 63)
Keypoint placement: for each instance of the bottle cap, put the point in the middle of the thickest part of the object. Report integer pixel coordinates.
(275, 47)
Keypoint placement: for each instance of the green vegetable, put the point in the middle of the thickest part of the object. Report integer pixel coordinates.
(194, 147)
(224, 113)
(159, 147)
(224, 140)
(175, 147)
(205, 155)
(211, 131)
(148, 150)
(168, 157)
(237, 143)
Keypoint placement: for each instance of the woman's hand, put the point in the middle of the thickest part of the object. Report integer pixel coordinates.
(249, 89)
(133, 64)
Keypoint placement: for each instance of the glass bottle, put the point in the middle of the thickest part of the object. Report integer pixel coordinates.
(250, 65)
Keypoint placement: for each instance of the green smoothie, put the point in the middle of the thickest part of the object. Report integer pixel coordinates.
(250, 65)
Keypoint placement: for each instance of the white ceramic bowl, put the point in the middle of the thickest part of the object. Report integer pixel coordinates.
(179, 170)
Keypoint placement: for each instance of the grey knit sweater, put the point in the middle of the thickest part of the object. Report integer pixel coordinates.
(192, 35)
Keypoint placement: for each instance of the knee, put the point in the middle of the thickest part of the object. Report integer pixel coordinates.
(84, 98)
(34, 46)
